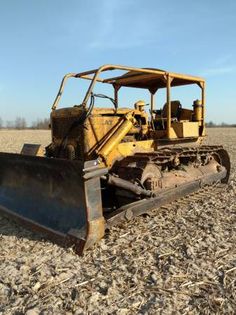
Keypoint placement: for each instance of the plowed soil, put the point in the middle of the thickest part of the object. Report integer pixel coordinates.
(173, 261)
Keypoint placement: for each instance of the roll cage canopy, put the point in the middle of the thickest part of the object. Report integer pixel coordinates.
(145, 78)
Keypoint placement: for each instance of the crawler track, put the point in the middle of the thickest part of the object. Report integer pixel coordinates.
(200, 195)
(181, 197)
(186, 175)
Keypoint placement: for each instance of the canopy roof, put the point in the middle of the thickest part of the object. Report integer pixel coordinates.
(152, 80)
(148, 78)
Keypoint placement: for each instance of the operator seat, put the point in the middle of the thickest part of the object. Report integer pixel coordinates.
(161, 115)
(175, 110)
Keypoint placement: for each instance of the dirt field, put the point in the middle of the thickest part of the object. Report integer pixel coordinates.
(181, 261)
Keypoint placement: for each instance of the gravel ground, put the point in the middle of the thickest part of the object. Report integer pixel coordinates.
(178, 261)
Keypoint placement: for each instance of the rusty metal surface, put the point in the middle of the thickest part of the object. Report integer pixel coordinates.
(167, 174)
(99, 136)
(163, 157)
(51, 195)
(131, 210)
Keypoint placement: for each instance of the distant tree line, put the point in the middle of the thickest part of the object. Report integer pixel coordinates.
(20, 124)
(211, 124)
(41, 124)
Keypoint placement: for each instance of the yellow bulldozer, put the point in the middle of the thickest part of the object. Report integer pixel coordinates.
(108, 164)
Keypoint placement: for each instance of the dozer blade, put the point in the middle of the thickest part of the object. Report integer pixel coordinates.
(56, 196)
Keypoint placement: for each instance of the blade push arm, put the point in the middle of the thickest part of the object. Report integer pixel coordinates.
(115, 137)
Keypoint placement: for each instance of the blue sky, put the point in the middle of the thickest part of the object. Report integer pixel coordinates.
(43, 40)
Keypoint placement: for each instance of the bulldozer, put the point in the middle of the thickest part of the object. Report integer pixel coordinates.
(106, 165)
